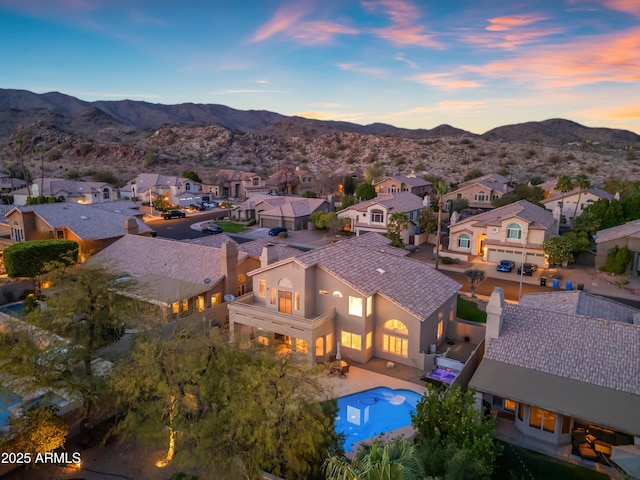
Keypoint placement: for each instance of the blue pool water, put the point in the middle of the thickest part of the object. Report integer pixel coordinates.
(13, 309)
(8, 400)
(367, 414)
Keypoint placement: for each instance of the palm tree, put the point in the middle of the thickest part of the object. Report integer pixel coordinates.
(396, 460)
(564, 185)
(583, 183)
(475, 277)
(397, 223)
(441, 190)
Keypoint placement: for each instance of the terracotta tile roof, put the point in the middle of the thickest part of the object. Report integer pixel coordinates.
(630, 229)
(402, 202)
(576, 192)
(298, 207)
(214, 241)
(86, 221)
(587, 349)
(580, 303)
(535, 216)
(54, 186)
(369, 268)
(282, 252)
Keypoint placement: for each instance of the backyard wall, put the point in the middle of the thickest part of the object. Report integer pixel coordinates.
(13, 291)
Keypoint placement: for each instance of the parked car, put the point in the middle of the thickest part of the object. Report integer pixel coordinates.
(210, 204)
(274, 232)
(212, 229)
(527, 269)
(173, 214)
(506, 266)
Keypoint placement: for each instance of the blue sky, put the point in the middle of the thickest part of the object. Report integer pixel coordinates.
(473, 64)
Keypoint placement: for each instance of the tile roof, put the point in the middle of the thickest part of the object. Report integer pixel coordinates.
(581, 303)
(369, 268)
(537, 217)
(630, 229)
(214, 241)
(86, 221)
(402, 202)
(592, 350)
(234, 175)
(576, 192)
(298, 207)
(148, 180)
(282, 252)
(491, 180)
(53, 186)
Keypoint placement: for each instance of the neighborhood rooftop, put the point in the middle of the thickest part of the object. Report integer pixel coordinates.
(395, 202)
(538, 217)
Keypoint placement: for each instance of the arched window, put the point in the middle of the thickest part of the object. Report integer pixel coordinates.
(514, 231)
(285, 282)
(396, 326)
(377, 216)
(464, 241)
(105, 194)
(187, 186)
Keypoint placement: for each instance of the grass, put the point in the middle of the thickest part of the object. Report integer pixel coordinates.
(468, 310)
(518, 463)
(231, 227)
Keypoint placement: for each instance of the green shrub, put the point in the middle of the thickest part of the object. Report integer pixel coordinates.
(28, 259)
(447, 260)
(617, 260)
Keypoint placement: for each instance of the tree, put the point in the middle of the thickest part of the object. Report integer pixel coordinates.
(323, 220)
(374, 172)
(459, 204)
(29, 259)
(309, 194)
(192, 176)
(441, 189)
(564, 185)
(35, 430)
(473, 173)
(349, 185)
(427, 220)
(365, 191)
(558, 250)
(475, 276)
(583, 183)
(398, 460)
(454, 438)
(398, 222)
(618, 260)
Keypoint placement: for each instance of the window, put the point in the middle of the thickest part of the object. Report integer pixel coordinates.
(200, 303)
(514, 231)
(274, 294)
(542, 419)
(352, 340)
(296, 301)
(480, 197)
(215, 299)
(242, 284)
(377, 216)
(396, 345)
(521, 412)
(440, 329)
(369, 340)
(369, 305)
(355, 306)
(329, 342)
(262, 288)
(566, 424)
(509, 405)
(302, 346)
(185, 305)
(396, 326)
(284, 302)
(535, 417)
(105, 194)
(464, 241)
(175, 307)
(337, 294)
(319, 347)
(187, 186)
(323, 292)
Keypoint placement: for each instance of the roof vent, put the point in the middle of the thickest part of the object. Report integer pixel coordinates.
(84, 217)
(380, 270)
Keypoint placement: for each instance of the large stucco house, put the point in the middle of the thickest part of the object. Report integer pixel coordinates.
(279, 211)
(404, 183)
(479, 192)
(236, 184)
(513, 232)
(292, 181)
(626, 235)
(373, 215)
(563, 367)
(72, 191)
(149, 187)
(573, 203)
(359, 293)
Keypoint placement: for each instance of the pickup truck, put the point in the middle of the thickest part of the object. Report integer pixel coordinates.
(173, 214)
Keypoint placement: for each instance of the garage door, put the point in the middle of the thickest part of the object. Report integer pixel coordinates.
(497, 254)
(270, 222)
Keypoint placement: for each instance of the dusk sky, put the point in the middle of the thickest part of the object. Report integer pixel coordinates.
(416, 64)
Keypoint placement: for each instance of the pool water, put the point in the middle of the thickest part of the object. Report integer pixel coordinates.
(8, 400)
(13, 309)
(367, 414)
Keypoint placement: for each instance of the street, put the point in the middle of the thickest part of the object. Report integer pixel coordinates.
(180, 228)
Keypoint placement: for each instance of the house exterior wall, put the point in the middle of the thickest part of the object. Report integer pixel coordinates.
(474, 194)
(570, 202)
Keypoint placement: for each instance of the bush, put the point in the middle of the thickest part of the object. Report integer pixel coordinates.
(617, 260)
(29, 259)
(447, 260)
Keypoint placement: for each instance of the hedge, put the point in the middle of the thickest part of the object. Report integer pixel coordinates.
(28, 259)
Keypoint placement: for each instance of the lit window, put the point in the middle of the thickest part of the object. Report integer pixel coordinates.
(215, 299)
(337, 294)
(284, 302)
(175, 307)
(262, 340)
(329, 342)
(514, 231)
(323, 292)
(319, 347)
(185, 305)
(369, 305)
(296, 301)
(440, 329)
(396, 326)
(521, 412)
(302, 346)
(352, 340)
(355, 306)
(542, 419)
(369, 340)
(262, 288)
(200, 303)
(396, 345)
(509, 405)
(464, 241)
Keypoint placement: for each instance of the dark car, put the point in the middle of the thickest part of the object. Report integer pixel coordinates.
(173, 214)
(506, 265)
(274, 232)
(212, 229)
(527, 269)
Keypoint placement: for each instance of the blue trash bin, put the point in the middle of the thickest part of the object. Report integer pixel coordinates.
(569, 285)
(555, 283)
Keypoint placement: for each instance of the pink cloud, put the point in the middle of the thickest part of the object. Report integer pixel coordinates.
(283, 20)
(512, 21)
(626, 6)
(312, 33)
(444, 81)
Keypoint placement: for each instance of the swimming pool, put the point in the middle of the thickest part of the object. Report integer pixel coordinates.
(13, 309)
(8, 401)
(367, 414)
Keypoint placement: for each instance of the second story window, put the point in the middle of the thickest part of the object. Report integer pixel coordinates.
(187, 186)
(105, 194)
(514, 231)
(377, 216)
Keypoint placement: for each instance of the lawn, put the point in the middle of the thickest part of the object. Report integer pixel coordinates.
(468, 310)
(231, 227)
(517, 463)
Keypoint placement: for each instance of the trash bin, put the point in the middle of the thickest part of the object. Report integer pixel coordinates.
(555, 283)
(569, 285)
(543, 281)
(580, 286)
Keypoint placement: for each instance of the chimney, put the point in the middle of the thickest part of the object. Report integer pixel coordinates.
(495, 309)
(229, 266)
(454, 219)
(131, 226)
(268, 255)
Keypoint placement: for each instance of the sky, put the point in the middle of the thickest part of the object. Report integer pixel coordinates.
(472, 64)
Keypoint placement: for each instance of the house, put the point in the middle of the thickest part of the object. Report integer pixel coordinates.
(67, 191)
(149, 187)
(93, 226)
(573, 203)
(359, 295)
(279, 211)
(373, 215)
(626, 235)
(235, 184)
(564, 374)
(9, 184)
(179, 277)
(291, 182)
(479, 192)
(513, 232)
(401, 183)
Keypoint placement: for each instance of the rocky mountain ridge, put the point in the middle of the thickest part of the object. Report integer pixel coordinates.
(68, 137)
